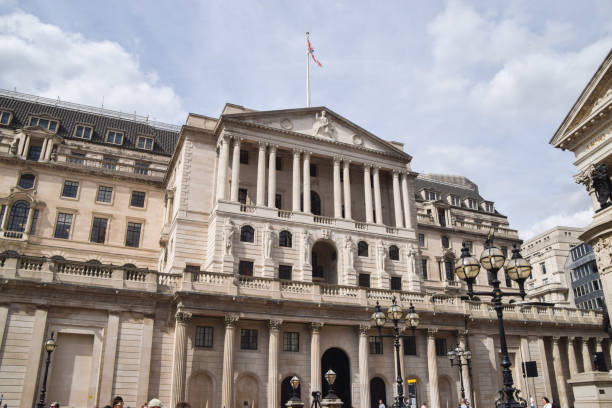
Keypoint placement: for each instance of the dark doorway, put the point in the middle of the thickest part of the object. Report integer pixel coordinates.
(287, 391)
(324, 262)
(377, 392)
(337, 360)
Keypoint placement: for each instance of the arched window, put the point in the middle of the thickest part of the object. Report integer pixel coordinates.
(284, 239)
(445, 242)
(362, 248)
(448, 267)
(19, 216)
(247, 234)
(26, 181)
(394, 253)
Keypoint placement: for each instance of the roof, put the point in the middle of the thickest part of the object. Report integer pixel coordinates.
(69, 115)
(448, 184)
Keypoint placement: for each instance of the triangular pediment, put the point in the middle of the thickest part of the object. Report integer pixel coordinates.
(595, 97)
(320, 123)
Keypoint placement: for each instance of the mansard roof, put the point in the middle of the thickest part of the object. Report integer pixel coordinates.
(69, 115)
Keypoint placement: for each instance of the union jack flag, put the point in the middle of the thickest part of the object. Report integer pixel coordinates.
(311, 52)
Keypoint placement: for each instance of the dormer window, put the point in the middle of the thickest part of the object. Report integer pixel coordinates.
(5, 117)
(489, 207)
(455, 201)
(114, 137)
(472, 204)
(144, 142)
(83, 132)
(432, 195)
(49, 124)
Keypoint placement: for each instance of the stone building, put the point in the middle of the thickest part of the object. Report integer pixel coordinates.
(188, 264)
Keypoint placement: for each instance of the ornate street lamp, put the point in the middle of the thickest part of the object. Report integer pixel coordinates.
(518, 269)
(395, 314)
(295, 384)
(50, 347)
(330, 377)
(461, 355)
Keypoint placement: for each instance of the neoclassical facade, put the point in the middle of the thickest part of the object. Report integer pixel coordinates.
(213, 263)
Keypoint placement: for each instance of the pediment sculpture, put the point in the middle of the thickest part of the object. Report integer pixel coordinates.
(322, 126)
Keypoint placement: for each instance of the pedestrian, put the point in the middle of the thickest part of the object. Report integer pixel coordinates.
(381, 404)
(54, 405)
(183, 404)
(546, 402)
(155, 403)
(145, 405)
(462, 403)
(531, 402)
(424, 405)
(117, 402)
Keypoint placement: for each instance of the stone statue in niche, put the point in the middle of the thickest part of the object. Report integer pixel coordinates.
(349, 252)
(322, 126)
(381, 256)
(597, 178)
(228, 235)
(267, 241)
(412, 255)
(307, 247)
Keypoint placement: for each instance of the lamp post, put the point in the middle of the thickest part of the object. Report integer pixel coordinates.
(461, 355)
(517, 269)
(50, 347)
(330, 377)
(295, 384)
(395, 314)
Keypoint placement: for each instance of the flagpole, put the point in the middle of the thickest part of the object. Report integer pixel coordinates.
(307, 72)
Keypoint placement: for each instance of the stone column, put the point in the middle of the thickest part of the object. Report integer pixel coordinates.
(296, 181)
(178, 361)
(364, 376)
(347, 189)
(559, 375)
(235, 169)
(49, 150)
(227, 381)
(465, 372)
(586, 355)
(272, 177)
(306, 176)
(26, 147)
(273, 394)
(169, 200)
(406, 200)
(108, 359)
(145, 357)
(28, 393)
(432, 364)
(397, 201)
(30, 219)
(571, 357)
(315, 357)
(261, 175)
(337, 189)
(43, 151)
(4, 314)
(377, 201)
(222, 170)
(367, 188)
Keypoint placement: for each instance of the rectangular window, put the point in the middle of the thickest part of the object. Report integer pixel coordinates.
(138, 199)
(34, 221)
(144, 142)
(83, 132)
(248, 339)
(279, 163)
(71, 188)
(313, 170)
(244, 156)
(432, 195)
(278, 201)
(410, 346)
(421, 239)
(376, 345)
(242, 195)
(34, 153)
(98, 230)
(141, 168)
(468, 244)
(76, 158)
(114, 137)
(105, 194)
(5, 118)
(62, 227)
(472, 204)
(291, 342)
(284, 272)
(543, 268)
(245, 268)
(364, 280)
(455, 201)
(204, 337)
(110, 163)
(424, 268)
(50, 125)
(132, 236)
(396, 283)
(441, 348)
(489, 207)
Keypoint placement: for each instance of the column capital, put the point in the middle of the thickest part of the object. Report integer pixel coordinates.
(431, 332)
(337, 159)
(237, 140)
(273, 147)
(364, 328)
(307, 154)
(346, 162)
(262, 144)
(230, 320)
(182, 316)
(396, 172)
(462, 333)
(297, 152)
(570, 339)
(274, 325)
(316, 327)
(367, 166)
(556, 339)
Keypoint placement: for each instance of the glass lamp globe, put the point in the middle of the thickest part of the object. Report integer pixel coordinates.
(517, 267)
(378, 317)
(50, 345)
(295, 382)
(467, 355)
(330, 377)
(492, 258)
(395, 312)
(451, 355)
(467, 267)
(412, 319)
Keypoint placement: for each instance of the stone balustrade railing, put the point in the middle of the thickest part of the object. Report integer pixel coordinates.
(33, 269)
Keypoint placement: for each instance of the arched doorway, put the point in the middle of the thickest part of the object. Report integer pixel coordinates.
(247, 391)
(200, 394)
(337, 360)
(446, 392)
(287, 391)
(325, 262)
(378, 392)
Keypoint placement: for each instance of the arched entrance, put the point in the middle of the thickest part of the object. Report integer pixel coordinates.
(377, 392)
(247, 391)
(337, 360)
(446, 392)
(325, 262)
(287, 391)
(200, 393)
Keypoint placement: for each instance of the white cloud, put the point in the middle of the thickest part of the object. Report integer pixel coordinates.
(579, 219)
(44, 60)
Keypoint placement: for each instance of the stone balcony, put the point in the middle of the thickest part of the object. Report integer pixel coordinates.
(503, 232)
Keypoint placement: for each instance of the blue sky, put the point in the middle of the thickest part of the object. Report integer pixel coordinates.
(471, 88)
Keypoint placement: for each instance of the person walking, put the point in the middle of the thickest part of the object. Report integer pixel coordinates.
(381, 404)
(546, 402)
(156, 403)
(462, 403)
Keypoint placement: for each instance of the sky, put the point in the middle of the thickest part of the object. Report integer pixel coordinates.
(471, 88)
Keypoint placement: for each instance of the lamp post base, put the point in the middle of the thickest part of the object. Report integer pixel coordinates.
(515, 401)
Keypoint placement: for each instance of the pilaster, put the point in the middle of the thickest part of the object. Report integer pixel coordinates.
(182, 319)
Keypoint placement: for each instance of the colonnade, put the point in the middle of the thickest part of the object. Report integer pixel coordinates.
(267, 153)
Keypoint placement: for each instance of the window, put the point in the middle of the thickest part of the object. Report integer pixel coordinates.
(595, 285)
(247, 234)
(468, 244)
(376, 345)
(114, 137)
(396, 283)
(454, 200)
(421, 239)
(70, 189)
(34, 222)
(98, 230)
(394, 253)
(132, 236)
(109, 163)
(279, 163)
(245, 268)
(62, 227)
(76, 158)
(242, 195)
(313, 170)
(543, 268)
(26, 181)
(489, 207)
(284, 239)
(449, 269)
(410, 346)
(291, 342)
(50, 125)
(472, 203)
(204, 337)
(138, 199)
(143, 142)
(83, 132)
(284, 272)
(278, 201)
(364, 280)
(18, 216)
(105, 194)
(432, 195)
(424, 268)
(445, 242)
(248, 339)
(441, 347)
(362, 248)
(34, 153)
(5, 118)
(244, 156)
(141, 168)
